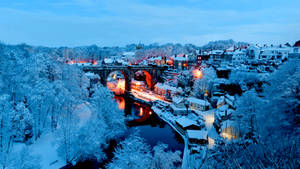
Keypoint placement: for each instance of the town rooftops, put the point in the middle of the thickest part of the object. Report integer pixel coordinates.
(198, 101)
(107, 60)
(168, 87)
(197, 134)
(177, 100)
(128, 53)
(186, 122)
(92, 75)
(217, 52)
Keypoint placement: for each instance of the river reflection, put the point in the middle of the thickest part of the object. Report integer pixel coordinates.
(154, 130)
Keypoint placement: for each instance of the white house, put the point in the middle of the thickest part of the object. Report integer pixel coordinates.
(253, 52)
(273, 53)
(238, 56)
(198, 104)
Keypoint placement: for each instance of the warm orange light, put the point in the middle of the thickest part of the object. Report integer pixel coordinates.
(197, 74)
(150, 112)
(94, 62)
(229, 133)
(118, 88)
(141, 111)
(120, 101)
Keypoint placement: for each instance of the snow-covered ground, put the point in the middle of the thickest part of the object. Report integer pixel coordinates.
(45, 150)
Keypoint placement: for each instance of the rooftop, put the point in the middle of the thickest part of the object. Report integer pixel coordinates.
(197, 134)
(185, 122)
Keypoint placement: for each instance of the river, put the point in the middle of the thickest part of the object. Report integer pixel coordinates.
(150, 127)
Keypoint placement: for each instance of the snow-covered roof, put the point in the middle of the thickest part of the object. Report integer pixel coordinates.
(185, 122)
(197, 134)
(274, 49)
(227, 123)
(253, 47)
(231, 98)
(178, 58)
(91, 75)
(168, 87)
(177, 100)
(230, 49)
(128, 53)
(107, 60)
(217, 51)
(239, 52)
(223, 108)
(198, 101)
(83, 64)
(154, 58)
(221, 100)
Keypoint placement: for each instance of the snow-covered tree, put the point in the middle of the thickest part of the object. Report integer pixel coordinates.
(24, 160)
(104, 104)
(246, 112)
(185, 79)
(22, 123)
(162, 158)
(6, 135)
(132, 153)
(205, 84)
(67, 134)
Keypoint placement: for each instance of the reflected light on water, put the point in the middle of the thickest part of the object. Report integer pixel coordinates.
(120, 101)
(141, 112)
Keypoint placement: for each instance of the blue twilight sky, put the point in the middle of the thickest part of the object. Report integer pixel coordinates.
(120, 22)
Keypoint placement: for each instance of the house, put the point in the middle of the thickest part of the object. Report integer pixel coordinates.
(178, 107)
(238, 56)
(295, 50)
(184, 123)
(228, 130)
(253, 52)
(198, 104)
(273, 53)
(178, 110)
(166, 90)
(216, 55)
(158, 60)
(180, 61)
(223, 113)
(230, 101)
(223, 72)
(108, 61)
(197, 136)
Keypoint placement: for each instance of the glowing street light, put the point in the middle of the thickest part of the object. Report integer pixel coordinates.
(197, 74)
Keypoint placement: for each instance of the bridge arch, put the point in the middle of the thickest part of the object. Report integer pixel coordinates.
(153, 71)
(147, 77)
(117, 81)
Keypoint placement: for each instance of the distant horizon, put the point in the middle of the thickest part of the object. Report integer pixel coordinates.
(71, 23)
(160, 44)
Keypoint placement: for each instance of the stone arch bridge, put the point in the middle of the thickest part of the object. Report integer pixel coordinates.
(128, 71)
